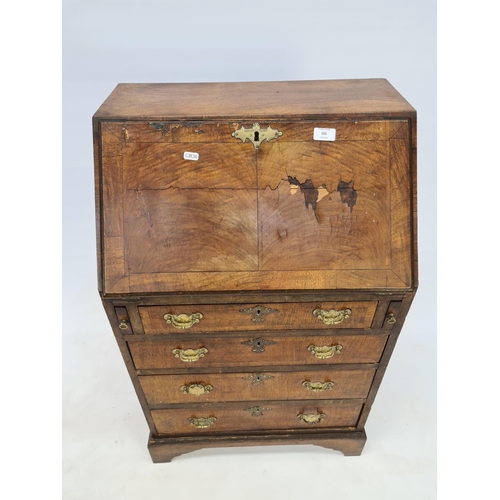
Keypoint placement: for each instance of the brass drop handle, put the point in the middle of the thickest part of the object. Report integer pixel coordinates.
(123, 324)
(324, 351)
(391, 318)
(190, 355)
(317, 386)
(311, 418)
(183, 321)
(196, 389)
(202, 423)
(332, 317)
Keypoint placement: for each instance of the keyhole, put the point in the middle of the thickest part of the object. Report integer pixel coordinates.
(257, 378)
(258, 343)
(258, 311)
(256, 137)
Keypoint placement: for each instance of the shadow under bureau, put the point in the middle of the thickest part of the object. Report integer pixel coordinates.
(257, 255)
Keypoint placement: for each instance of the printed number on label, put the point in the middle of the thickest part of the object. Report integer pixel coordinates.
(191, 156)
(324, 134)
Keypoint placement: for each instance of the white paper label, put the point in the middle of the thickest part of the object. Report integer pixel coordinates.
(324, 134)
(191, 156)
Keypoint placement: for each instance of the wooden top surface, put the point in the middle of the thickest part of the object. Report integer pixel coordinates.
(299, 99)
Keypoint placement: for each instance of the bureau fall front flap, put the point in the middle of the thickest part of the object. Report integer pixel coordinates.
(201, 206)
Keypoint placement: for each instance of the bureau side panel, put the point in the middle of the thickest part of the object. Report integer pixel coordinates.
(112, 317)
(395, 330)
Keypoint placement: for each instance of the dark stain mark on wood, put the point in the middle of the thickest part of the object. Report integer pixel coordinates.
(162, 127)
(312, 195)
(308, 190)
(165, 128)
(348, 194)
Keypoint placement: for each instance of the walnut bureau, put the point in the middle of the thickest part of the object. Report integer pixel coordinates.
(257, 255)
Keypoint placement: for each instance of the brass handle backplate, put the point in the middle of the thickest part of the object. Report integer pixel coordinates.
(196, 389)
(332, 317)
(256, 135)
(183, 321)
(190, 355)
(311, 418)
(317, 386)
(324, 351)
(202, 423)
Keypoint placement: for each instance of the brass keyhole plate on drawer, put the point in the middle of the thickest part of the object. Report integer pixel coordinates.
(258, 345)
(258, 312)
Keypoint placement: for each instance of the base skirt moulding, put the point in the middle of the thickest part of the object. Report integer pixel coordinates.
(164, 449)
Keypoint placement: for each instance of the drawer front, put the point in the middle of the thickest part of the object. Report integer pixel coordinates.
(256, 351)
(242, 317)
(269, 416)
(258, 386)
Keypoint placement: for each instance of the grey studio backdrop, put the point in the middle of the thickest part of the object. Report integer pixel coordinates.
(106, 42)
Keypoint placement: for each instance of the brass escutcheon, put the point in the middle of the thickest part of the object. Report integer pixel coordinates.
(256, 135)
(258, 378)
(257, 411)
(332, 317)
(311, 418)
(183, 321)
(202, 423)
(324, 351)
(190, 355)
(258, 312)
(258, 345)
(317, 386)
(196, 389)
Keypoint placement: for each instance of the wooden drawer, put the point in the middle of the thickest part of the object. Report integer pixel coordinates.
(228, 351)
(242, 317)
(247, 417)
(310, 384)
